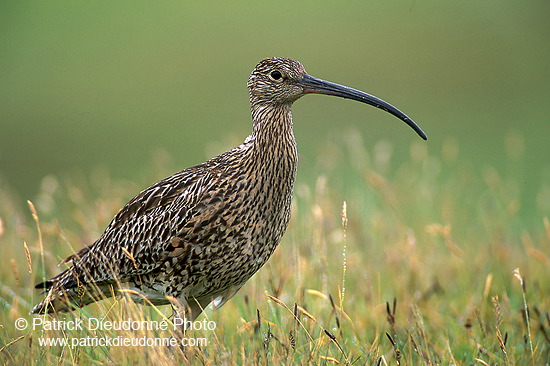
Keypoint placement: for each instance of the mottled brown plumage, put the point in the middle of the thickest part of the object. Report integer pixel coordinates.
(200, 234)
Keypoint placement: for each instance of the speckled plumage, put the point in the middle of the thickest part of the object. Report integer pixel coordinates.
(201, 233)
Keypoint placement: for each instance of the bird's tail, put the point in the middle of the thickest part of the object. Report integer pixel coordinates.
(66, 293)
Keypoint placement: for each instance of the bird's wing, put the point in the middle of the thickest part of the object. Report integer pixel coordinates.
(139, 236)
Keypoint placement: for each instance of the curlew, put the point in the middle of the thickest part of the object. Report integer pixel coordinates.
(200, 234)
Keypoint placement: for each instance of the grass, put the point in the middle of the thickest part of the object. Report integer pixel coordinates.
(421, 261)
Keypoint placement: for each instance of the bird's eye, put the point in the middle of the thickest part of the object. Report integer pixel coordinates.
(276, 75)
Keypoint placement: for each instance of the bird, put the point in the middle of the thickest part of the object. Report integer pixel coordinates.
(198, 235)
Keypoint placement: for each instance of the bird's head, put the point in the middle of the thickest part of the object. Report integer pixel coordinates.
(278, 81)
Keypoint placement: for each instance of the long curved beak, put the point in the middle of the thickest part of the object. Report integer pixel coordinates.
(313, 85)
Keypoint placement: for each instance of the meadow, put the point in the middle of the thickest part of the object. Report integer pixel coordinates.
(419, 259)
(399, 251)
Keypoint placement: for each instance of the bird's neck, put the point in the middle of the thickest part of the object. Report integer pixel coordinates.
(272, 133)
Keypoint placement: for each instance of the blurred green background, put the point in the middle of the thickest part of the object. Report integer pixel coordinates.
(87, 84)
